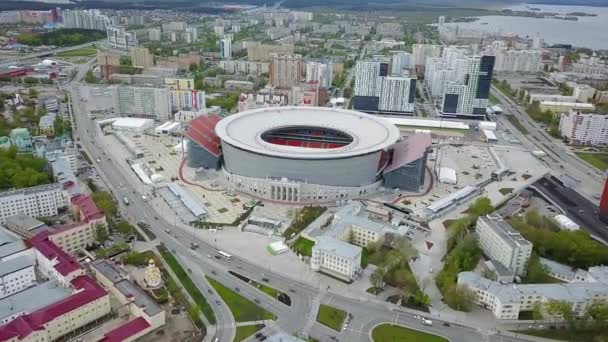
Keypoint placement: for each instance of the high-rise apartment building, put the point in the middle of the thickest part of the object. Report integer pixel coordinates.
(503, 244)
(320, 72)
(402, 62)
(470, 97)
(376, 92)
(396, 94)
(145, 102)
(259, 52)
(85, 19)
(423, 51)
(226, 48)
(584, 129)
(191, 34)
(141, 58)
(155, 34)
(285, 70)
(120, 38)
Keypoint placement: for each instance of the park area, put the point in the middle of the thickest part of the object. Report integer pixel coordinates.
(244, 331)
(303, 246)
(331, 317)
(82, 52)
(597, 160)
(396, 333)
(242, 309)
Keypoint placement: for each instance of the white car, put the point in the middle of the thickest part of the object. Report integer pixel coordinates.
(417, 317)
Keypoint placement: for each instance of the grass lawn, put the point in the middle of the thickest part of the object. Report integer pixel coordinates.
(189, 285)
(303, 246)
(515, 122)
(493, 99)
(566, 334)
(364, 258)
(395, 333)
(82, 52)
(598, 160)
(272, 292)
(242, 309)
(331, 317)
(505, 191)
(244, 331)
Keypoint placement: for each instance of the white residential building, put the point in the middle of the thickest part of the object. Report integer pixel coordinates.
(146, 102)
(320, 72)
(244, 67)
(503, 244)
(583, 92)
(402, 62)
(37, 201)
(507, 301)
(522, 61)
(155, 34)
(120, 38)
(186, 99)
(367, 76)
(337, 258)
(584, 129)
(226, 48)
(423, 51)
(85, 19)
(396, 94)
(469, 98)
(16, 274)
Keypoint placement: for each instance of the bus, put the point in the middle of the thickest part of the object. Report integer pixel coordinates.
(224, 255)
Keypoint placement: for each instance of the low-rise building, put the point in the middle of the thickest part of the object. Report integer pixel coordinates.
(16, 275)
(238, 85)
(407, 169)
(37, 201)
(337, 258)
(501, 243)
(560, 107)
(507, 301)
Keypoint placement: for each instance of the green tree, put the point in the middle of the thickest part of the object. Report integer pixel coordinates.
(125, 227)
(89, 77)
(33, 93)
(481, 206)
(101, 233)
(422, 299)
(377, 277)
(105, 203)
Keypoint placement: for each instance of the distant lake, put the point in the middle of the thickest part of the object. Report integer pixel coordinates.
(586, 32)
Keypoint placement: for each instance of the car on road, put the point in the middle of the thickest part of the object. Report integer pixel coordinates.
(237, 289)
(209, 256)
(257, 301)
(427, 322)
(218, 302)
(265, 279)
(446, 324)
(417, 317)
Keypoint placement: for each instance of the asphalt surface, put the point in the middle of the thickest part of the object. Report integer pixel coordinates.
(561, 159)
(298, 317)
(578, 208)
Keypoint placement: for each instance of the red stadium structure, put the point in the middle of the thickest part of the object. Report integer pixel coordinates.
(603, 211)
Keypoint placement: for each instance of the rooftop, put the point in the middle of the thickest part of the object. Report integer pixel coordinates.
(513, 293)
(65, 264)
(32, 299)
(504, 230)
(125, 331)
(87, 207)
(451, 198)
(337, 247)
(15, 264)
(140, 298)
(32, 190)
(245, 130)
(87, 291)
(11, 248)
(24, 221)
(408, 150)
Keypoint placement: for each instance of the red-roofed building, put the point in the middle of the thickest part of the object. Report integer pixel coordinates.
(204, 145)
(407, 165)
(54, 262)
(88, 303)
(128, 331)
(86, 210)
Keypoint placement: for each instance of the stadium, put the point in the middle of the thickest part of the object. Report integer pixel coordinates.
(301, 154)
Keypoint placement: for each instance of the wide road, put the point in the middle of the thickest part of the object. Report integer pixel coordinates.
(298, 317)
(560, 158)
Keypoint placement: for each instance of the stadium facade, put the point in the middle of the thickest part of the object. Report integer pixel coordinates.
(304, 154)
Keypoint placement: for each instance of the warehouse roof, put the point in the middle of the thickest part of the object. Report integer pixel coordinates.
(369, 133)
